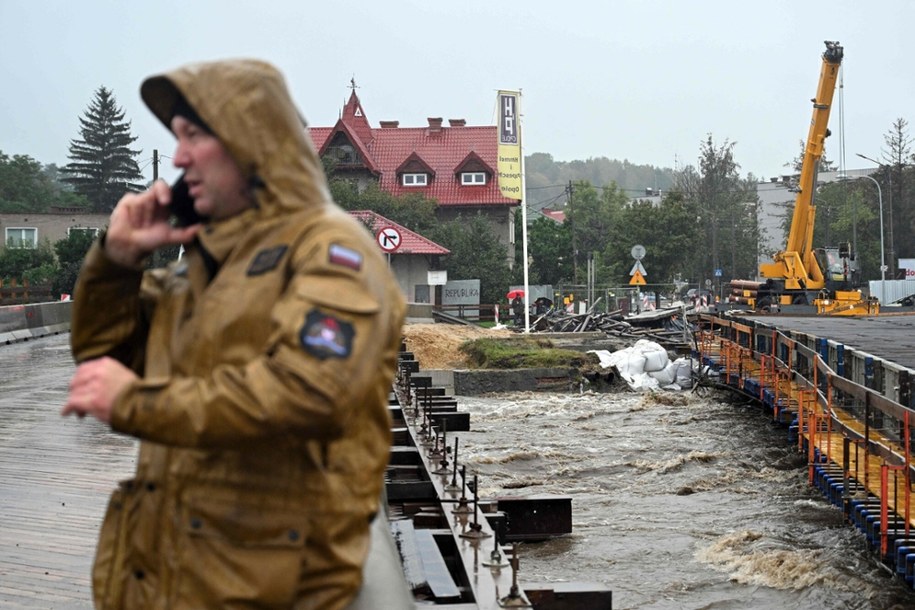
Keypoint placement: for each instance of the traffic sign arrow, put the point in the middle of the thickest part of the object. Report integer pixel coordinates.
(389, 239)
(638, 268)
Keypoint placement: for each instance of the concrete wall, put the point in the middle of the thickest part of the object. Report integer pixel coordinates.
(24, 322)
(411, 270)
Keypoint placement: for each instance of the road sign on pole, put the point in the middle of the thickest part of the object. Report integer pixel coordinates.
(389, 238)
(638, 268)
(637, 279)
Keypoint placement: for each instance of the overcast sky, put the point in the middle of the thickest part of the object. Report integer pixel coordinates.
(640, 80)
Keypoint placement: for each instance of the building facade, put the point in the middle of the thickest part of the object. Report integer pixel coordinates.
(411, 257)
(28, 230)
(454, 164)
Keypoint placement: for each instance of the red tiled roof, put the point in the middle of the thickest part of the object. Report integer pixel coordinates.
(411, 242)
(355, 141)
(555, 215)
(444, 149)
(354, 116)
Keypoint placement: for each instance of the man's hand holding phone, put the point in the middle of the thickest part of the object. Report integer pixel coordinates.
(141, 223)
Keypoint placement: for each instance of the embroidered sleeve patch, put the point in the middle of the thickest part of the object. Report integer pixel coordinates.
(266, 260)
(325, 336)
(347, 257)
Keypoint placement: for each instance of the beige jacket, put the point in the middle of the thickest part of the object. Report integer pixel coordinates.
(263, 400)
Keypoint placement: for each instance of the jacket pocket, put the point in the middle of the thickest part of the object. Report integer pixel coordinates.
(119, 575)
(238, 550)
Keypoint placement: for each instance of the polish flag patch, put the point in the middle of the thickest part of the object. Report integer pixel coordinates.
(345, 257)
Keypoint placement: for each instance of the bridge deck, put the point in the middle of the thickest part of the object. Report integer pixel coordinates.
(891, 337)
(55, 478)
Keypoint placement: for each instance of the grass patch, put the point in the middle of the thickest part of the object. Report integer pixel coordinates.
(522, 353)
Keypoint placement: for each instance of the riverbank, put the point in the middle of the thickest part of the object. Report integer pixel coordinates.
(437, 348)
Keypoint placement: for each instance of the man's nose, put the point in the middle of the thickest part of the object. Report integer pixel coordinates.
(182, 157)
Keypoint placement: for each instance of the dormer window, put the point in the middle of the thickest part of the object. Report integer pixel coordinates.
(473, 178)
(415, 179)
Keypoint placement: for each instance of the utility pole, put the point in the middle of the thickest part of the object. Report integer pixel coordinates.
(155, 164)
(574, 239)
(891, 249)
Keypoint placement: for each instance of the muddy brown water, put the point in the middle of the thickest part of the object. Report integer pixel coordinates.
(677, 503)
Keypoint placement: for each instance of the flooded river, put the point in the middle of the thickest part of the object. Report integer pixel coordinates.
(677, 502)
(680, 503)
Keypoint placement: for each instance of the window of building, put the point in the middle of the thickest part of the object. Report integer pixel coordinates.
(21, 237)
(344, 154)
(93, 231)
(415, 179)
(471, 178)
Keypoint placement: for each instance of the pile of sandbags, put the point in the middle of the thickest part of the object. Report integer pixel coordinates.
(647, 366)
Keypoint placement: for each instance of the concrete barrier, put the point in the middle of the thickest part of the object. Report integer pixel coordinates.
(24, 322)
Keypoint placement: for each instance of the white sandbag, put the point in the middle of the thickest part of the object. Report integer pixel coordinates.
(683, 376)
(641, 382)
(666, 376)
(630, 364)
(605, 357)
(656, 357)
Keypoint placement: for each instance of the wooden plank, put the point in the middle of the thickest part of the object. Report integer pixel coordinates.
(55, 478)
(436, 571)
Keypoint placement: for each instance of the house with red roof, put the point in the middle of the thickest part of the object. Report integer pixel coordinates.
(411, 258)
(557, 216)
(454, 164)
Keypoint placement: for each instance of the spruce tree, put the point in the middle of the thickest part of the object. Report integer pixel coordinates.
(102, 165)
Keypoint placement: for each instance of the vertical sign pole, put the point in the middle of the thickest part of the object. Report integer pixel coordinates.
(511, 172)
(527, 291)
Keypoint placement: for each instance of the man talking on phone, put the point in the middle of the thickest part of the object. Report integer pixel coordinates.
(255, 371)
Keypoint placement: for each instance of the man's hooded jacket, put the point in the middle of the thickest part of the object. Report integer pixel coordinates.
(266, 356)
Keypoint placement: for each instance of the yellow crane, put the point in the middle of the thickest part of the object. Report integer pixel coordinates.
(796, 276)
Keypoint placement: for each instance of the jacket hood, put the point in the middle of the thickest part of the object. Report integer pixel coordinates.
(247, 105)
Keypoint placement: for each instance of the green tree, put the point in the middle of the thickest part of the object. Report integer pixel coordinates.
(550, 249)
(34, 264)
(727, 207)
(670, 233)
(414, 211)
(70, 254)
(24, 187)
(897, 193)
(594, 222)
(475, 254)
(102, 165)
(853, 217)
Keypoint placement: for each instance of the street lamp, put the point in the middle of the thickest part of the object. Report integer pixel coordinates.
(882, 251)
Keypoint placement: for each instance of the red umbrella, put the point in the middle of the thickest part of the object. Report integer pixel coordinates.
(515, 293)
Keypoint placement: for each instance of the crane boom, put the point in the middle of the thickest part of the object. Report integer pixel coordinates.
(801, 275)
(797, 265)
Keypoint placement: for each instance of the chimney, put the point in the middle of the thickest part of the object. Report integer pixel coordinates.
(457, 122)
(389, 124)
(435, 124)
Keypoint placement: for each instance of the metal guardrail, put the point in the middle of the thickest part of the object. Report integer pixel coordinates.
(816, 385)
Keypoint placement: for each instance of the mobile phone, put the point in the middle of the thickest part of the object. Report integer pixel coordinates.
(182, 205)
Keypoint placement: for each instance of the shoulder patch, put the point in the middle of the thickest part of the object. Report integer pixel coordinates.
(266, 260)
(325, 336)
(346, 257)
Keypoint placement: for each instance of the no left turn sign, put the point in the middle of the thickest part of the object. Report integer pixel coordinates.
(389, 239)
